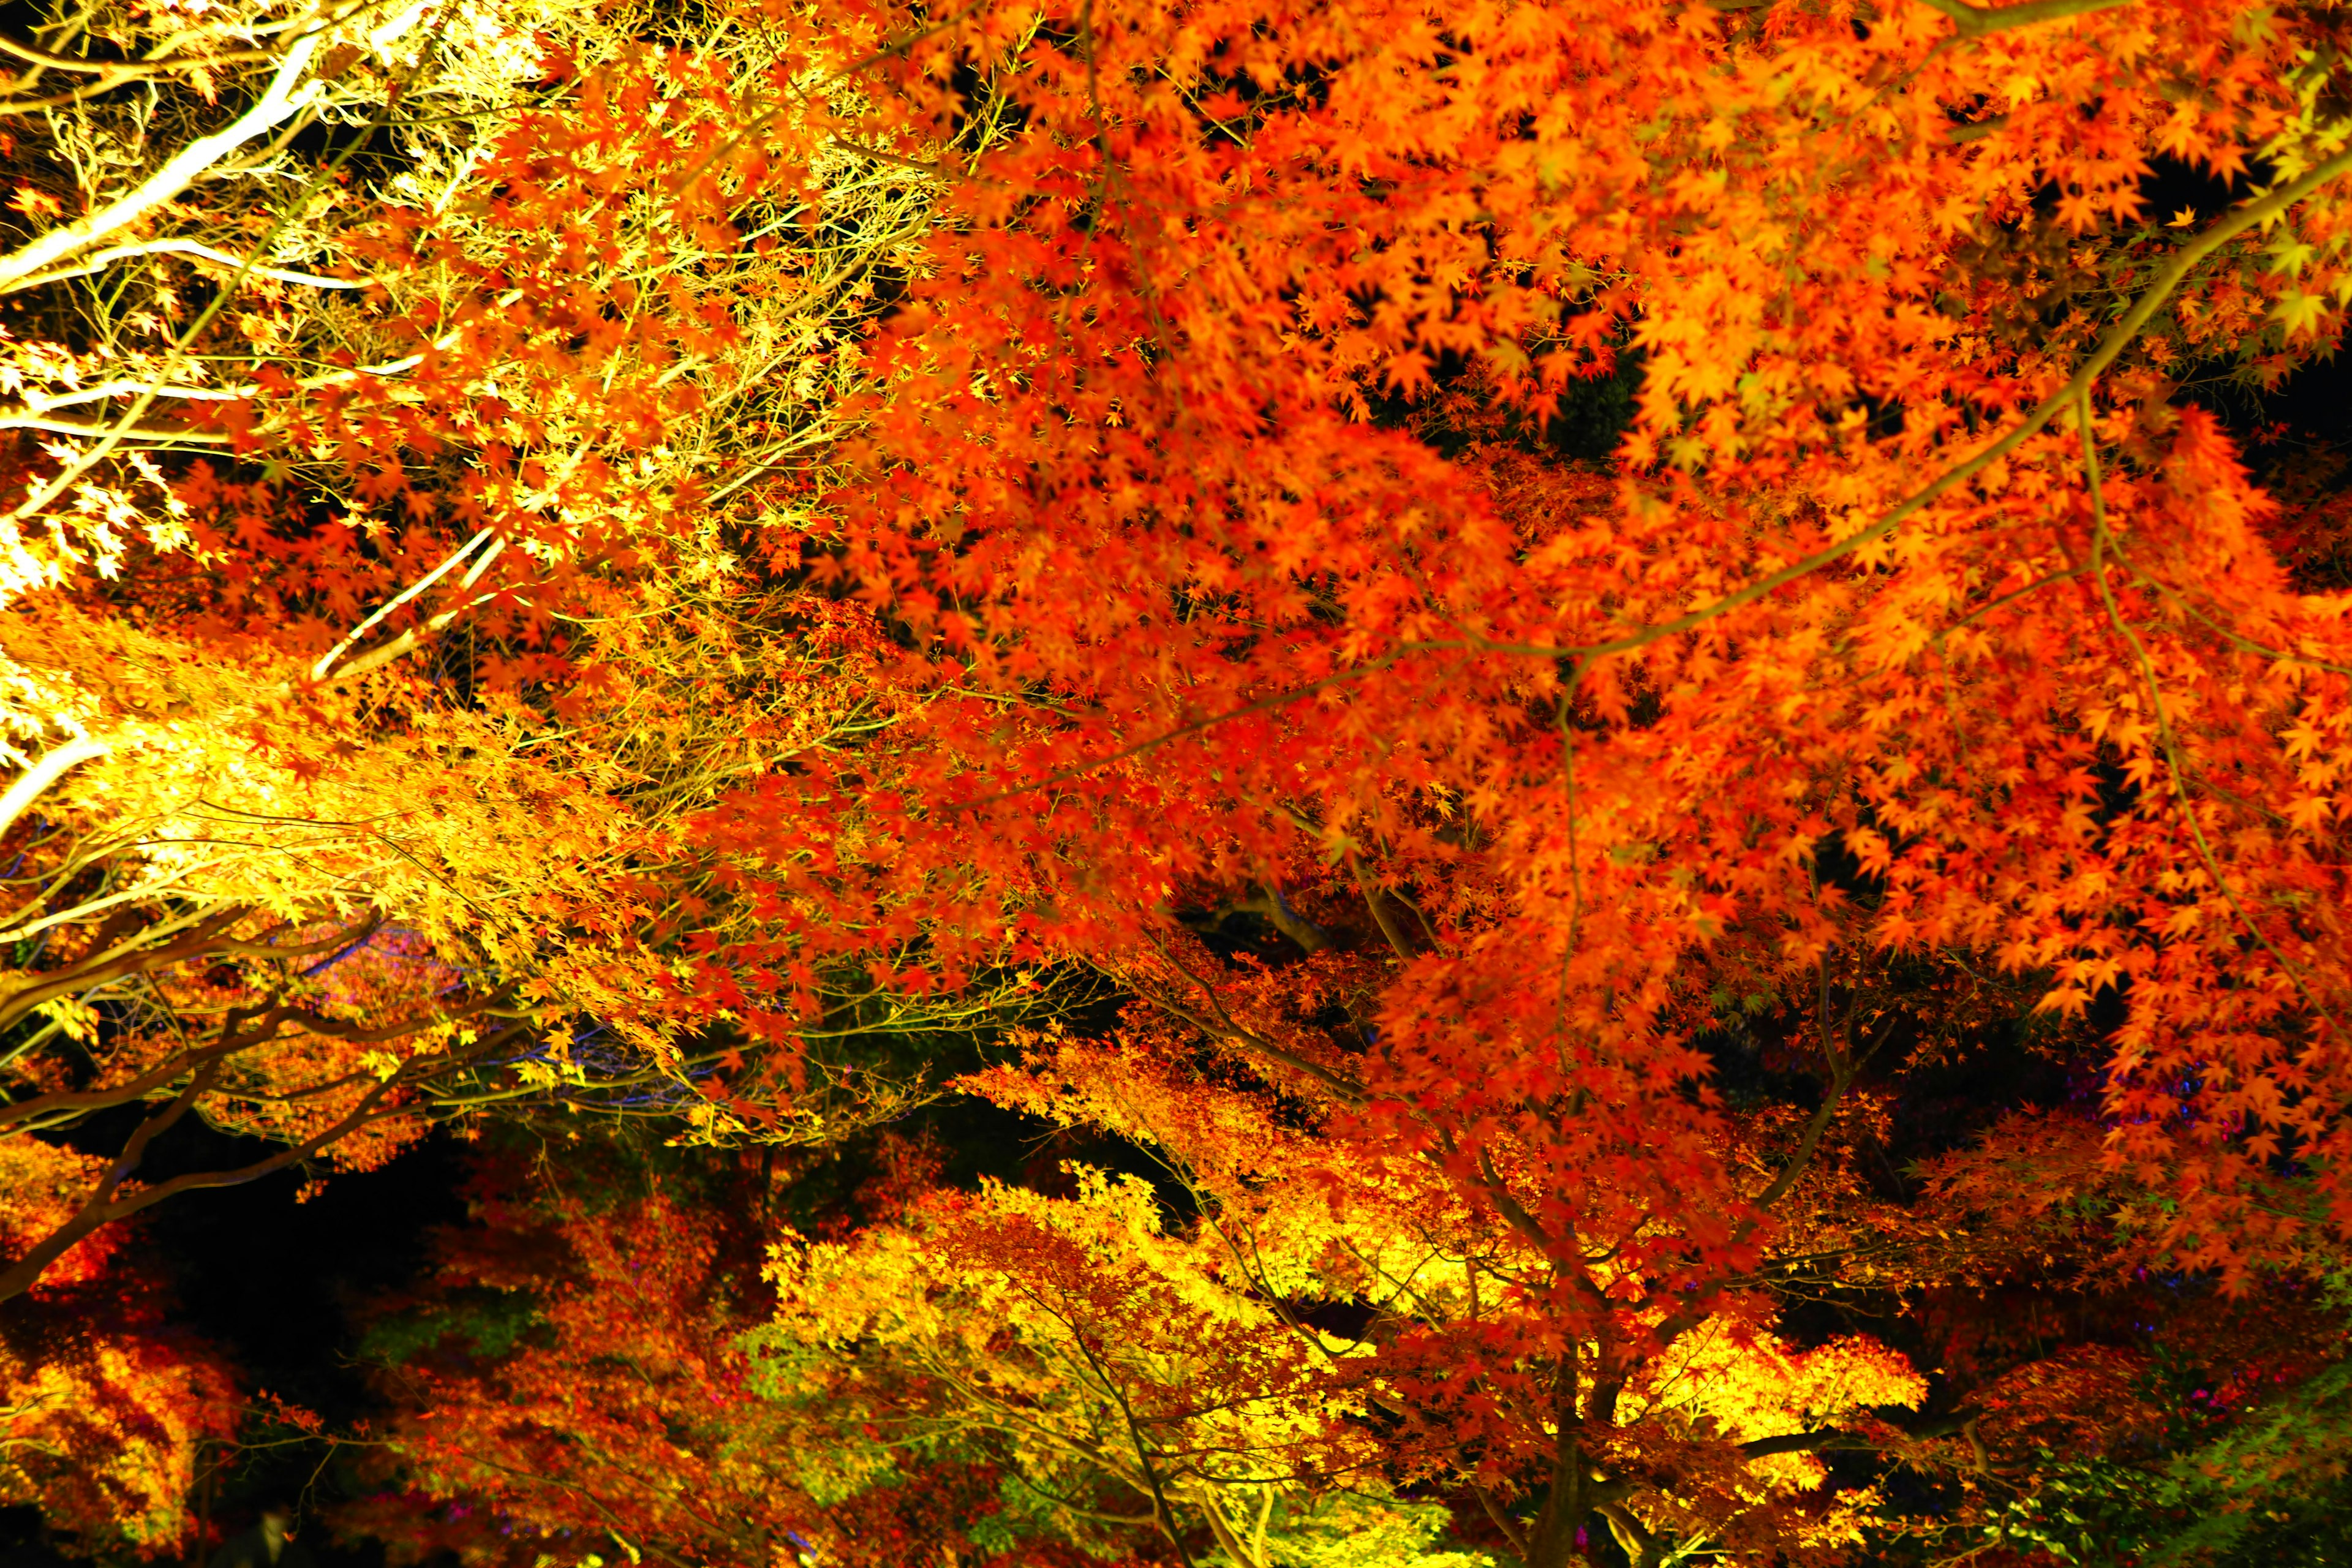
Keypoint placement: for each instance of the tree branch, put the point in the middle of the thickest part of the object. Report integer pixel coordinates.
(1374, 901)
(285, 97)
(206, 942)
(52, 768)
(147, 1083)
(1815, 1442)
(1976, 21)
(1641, 1544)
(1502, 1521)
(101, 1209)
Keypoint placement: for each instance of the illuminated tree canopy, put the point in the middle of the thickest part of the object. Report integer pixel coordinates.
(1605, 713)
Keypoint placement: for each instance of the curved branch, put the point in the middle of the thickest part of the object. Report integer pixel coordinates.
(1976, 21)
(286, 96)
(1958, 1421)
(78, 1102)
(53, 766)
(327, 661)
(208, 939)
(124, 70)
(1347, 1092)
(1502, 1521)
(102, 1208)
(243, 266)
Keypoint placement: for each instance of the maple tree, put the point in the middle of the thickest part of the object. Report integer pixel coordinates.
(285, 859)
(104, 1406)
(819, 521)
(1919, 624)
(572, 1380)
(1236, 1364)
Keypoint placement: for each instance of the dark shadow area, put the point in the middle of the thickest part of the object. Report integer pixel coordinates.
(273, 1282)
(23, 1541)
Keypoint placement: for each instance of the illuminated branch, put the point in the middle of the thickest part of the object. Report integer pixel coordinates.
(33, 781)
(208, 939)
(286, 96)
(242, 265)
(109, 1203)
(1976, 21)
(319, 671)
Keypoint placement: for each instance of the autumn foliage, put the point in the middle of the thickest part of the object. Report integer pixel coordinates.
(747, 570)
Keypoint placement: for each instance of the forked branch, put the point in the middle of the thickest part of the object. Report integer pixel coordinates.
(109, 1202)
